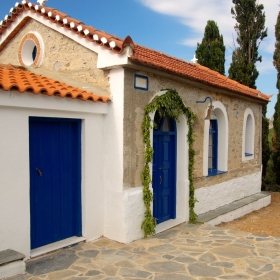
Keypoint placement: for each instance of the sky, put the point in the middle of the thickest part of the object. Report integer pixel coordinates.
(171, 26)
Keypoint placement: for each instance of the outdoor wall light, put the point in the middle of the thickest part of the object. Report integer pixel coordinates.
(210, 113)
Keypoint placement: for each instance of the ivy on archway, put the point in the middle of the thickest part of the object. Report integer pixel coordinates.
(174, 107)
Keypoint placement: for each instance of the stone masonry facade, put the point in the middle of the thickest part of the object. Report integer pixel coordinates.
(61, 54)
(136, 100)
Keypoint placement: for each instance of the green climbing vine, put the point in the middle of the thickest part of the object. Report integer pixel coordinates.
(173, 107)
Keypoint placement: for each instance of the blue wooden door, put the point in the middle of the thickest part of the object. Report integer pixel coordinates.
(55, 179)
(164, 169)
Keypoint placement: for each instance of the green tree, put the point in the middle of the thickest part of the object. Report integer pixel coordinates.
(250, 28)
(276, 121)
(211, 51)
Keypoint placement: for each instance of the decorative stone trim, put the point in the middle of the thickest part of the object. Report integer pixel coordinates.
(27, 46)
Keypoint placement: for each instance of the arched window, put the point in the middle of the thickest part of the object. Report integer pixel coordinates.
(248, 135)
(215, 159)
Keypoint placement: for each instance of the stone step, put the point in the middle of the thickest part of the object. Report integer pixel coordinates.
(235, 209)
(11, 263)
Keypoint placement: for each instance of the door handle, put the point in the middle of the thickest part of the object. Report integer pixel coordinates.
(39, 171)
(160, 179)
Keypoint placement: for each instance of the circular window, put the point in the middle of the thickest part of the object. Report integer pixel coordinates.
(31, 50)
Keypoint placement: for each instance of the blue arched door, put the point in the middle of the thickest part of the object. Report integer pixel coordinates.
(164, 168)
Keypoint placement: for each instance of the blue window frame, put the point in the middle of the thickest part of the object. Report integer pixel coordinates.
(213, 149)
(141, 82)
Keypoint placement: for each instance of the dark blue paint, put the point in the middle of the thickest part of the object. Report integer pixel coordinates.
(142, 77)
(213, 131)
(55, 196)
(164, 172)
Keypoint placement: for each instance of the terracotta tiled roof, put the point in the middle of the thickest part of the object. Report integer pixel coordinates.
(141, 54)
(17, 78)
(193, 71)
(91, 34)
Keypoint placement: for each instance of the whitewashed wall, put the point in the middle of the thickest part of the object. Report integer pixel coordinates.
(15, 109)
(215, 196)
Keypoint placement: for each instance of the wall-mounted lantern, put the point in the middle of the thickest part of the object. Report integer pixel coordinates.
(210, 113)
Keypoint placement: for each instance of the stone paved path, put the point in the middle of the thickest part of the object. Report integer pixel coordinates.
(184, 252)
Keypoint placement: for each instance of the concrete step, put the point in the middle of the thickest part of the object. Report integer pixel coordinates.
(235, 209)
(11, 263)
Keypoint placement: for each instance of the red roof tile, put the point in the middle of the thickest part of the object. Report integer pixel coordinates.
(141, 54)
(192, 71)
(19, 79)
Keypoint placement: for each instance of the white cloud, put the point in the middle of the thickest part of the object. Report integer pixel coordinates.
(194, 14)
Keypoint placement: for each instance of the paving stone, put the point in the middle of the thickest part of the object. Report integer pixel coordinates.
(112, 278)
(128, 272)
(267, 267)
(77, 278)
(89, 253)
(253, 272)
(223, 264)
(272, 275)
(53, 262)
(62, 274)
(202, 269)
(168, 234)
(208, 258)
(184, 259)
(231, 252)
(162, 248)
(164, 266)
(78, 268)
(92, 272)
(110, 270)
(108, 251)
(19, 277)
(168, 257)
(234, 277)
(125, 263)
(172, 276)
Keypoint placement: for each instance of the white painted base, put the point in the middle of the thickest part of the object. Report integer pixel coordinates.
(213, 197)
(240, 212)
(55, 246)
(11, 269)
(168, 224)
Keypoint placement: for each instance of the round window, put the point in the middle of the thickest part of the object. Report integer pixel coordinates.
(30, 51)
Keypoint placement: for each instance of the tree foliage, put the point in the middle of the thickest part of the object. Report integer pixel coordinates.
(276, 121)
(211, 51)
(251, 30)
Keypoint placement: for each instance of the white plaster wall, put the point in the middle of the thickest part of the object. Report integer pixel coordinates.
(14, 163)
(210, 198)
(251, 141)
(114, 221)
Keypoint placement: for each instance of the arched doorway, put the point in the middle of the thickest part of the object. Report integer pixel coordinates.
(164, 167)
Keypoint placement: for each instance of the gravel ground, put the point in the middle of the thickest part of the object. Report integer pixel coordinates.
(263, 221)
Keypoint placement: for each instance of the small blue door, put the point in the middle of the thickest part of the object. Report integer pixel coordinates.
(164, 168)
(55, 179)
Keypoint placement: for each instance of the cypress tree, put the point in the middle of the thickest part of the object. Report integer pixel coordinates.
(211, 51)
(250, 28)
(276, 121)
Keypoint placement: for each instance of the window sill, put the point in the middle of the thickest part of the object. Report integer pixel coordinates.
(248, 155)
(214, 172)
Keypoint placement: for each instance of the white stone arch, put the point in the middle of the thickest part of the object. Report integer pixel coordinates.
(248, 136)
(222, 118)
(182, 172)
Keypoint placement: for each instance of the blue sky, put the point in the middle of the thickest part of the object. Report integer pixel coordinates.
(171, 26)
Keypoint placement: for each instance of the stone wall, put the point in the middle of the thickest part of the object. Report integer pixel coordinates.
(62, 55)
(136, 100)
